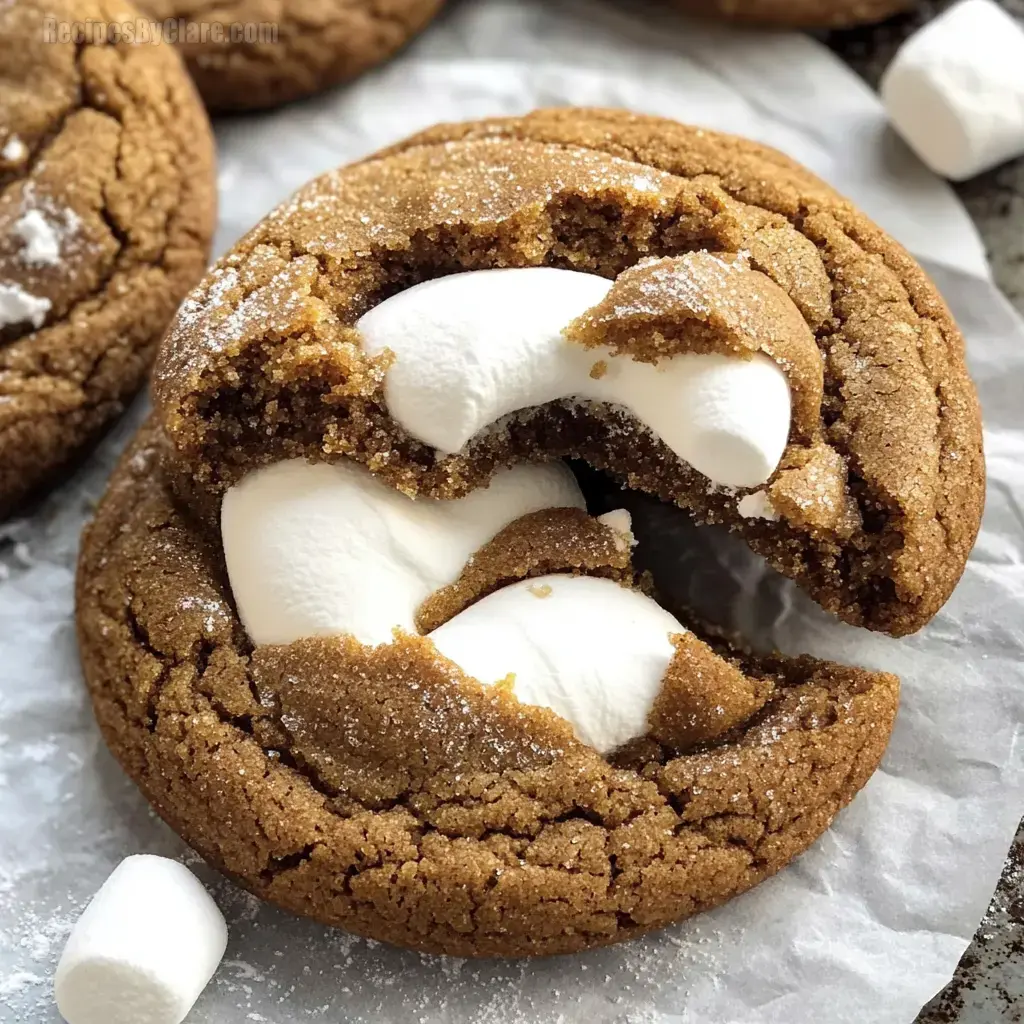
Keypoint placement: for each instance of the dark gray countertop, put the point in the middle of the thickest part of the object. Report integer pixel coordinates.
(989, 985)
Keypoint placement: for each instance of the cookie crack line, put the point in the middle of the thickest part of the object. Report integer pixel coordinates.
(103, 211)
(44, 141)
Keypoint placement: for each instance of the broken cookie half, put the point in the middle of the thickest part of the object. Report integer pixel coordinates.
(345, 616)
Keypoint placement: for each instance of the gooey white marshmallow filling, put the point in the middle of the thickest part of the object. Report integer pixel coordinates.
(326, 550)
(320, 550)
(473, 347)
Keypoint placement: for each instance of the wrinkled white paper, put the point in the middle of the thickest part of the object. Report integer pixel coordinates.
(869, 923)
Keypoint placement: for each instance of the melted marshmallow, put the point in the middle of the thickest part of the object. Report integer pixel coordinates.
(322, 550)
(473, 347)
(592, 651)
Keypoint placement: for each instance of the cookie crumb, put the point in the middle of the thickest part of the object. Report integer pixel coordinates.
(508, 684)
(620, 522)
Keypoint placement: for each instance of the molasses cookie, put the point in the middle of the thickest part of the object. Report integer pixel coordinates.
(107, 208)
(344, 615)
(799, 13)
(248, 55)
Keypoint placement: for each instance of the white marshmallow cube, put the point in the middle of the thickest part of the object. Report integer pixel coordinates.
(471, 348)
(955, 90)
(143, 950)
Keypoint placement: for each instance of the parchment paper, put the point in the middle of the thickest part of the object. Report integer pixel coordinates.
(869, 923)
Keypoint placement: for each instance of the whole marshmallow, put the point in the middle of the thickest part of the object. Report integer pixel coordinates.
(143, 950)
(322, 550)
(955, 90)
(473, 347)
(594, 652)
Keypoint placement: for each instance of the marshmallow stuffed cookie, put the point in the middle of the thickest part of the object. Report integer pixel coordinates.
(344, 615)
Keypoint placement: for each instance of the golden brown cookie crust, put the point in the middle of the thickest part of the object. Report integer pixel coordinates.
(109, 145)
(383, 791)
(882, 507)
(798, 13)
(318, 43)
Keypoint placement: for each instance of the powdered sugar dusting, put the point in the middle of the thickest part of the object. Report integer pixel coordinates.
(294, 971)
(29, 952)
(43, 235)
(18, 306)
(14, 150)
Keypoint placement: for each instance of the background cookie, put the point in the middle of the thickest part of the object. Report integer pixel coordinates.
(106, 213)
(808, 13)
(318, 43)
